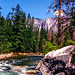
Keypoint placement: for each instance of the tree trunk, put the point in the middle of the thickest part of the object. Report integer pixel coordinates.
(59, 23)
(66, 20)
(49, 34)
(67, 16)
(72, 37)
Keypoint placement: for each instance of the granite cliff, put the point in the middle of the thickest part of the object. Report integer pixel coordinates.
(48, 23)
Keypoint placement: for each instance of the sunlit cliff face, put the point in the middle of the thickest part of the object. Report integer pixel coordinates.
(46, 24)
(49, 23)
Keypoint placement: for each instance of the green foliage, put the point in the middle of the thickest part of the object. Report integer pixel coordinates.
(70, 42)
(43, 35)
(6, 47)
(29, 16)
(48, 46)
(17, 34)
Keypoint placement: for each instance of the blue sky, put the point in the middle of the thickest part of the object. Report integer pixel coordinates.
(37, 8)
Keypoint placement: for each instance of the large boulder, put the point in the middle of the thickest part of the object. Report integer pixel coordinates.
(58, 62)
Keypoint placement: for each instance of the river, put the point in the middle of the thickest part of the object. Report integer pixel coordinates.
(19, 65)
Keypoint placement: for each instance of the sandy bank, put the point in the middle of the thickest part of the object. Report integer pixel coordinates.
(4, 56)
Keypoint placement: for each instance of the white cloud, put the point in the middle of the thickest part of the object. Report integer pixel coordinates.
(56, 13)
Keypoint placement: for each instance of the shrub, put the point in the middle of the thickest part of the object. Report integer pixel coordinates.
(47, 47)
(70, 42)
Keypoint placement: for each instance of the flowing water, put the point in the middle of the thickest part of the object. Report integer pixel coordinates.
(19, 65)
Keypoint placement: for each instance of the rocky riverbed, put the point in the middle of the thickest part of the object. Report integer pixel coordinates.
(20, 65)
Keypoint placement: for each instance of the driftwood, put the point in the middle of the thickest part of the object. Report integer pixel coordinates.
(58, 62)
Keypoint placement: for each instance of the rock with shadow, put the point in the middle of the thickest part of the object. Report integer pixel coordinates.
(59, 62)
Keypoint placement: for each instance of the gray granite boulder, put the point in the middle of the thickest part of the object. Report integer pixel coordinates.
(58, 62)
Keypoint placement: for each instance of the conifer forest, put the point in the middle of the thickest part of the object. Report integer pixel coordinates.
(18, 34)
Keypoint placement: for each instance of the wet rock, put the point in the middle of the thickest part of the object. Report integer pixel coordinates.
(32, 72)
(39, 65)
(23, 70)
(61, 73)
(16, 70)
(1, 70)
(58, 62)
(5, 67)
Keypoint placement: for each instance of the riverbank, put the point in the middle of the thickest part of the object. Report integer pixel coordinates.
(9, 55)
(20, 65)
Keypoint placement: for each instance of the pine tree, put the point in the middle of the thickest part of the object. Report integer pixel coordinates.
(43, 35)
(52, 37)
(2, 29)
(0, 11)
(56, 5)
(18, 24)
(29, 17)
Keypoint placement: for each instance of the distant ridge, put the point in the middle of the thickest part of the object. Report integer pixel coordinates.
(48, 23)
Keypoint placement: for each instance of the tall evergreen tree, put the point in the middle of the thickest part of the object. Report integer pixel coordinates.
(18, 24)
(56, 5)
(43, 35)
(0, 11)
